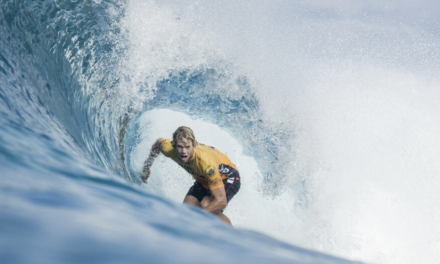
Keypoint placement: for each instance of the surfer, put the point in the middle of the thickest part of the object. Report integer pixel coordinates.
(216, 177)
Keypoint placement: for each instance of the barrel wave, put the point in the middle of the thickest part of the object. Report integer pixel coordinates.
(67, 194)
(87, 86)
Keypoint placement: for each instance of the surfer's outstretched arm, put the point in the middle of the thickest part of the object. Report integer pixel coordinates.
(155, 150)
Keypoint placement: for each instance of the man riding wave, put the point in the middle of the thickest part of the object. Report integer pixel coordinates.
(217, 178)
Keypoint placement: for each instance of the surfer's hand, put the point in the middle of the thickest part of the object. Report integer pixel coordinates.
(146, 172)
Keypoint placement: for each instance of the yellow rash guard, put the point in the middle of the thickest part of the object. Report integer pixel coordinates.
(208, 165)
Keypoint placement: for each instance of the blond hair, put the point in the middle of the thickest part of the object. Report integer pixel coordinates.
(185, 134)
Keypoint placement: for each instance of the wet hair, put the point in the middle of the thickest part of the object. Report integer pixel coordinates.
(185, 134)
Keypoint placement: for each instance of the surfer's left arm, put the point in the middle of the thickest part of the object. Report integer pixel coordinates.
(218, 201)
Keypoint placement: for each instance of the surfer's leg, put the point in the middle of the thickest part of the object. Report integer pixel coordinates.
(191, 200)
(223, 217)
(232, 186)
(206, 201)
(195, 194)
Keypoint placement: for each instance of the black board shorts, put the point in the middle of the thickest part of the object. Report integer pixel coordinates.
(231, 185)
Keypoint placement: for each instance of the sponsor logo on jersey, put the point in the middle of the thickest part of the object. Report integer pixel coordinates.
(224, 169)
(210, 170)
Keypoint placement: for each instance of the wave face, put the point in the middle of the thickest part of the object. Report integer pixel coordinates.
(331, 114)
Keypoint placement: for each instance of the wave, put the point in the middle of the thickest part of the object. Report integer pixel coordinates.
(336, 111)
(67, 104)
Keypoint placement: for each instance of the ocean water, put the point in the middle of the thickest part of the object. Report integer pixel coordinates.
(329, 109)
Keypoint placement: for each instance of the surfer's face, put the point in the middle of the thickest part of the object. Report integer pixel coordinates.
(184, 151)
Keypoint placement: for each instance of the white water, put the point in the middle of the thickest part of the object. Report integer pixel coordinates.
(360, 92)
